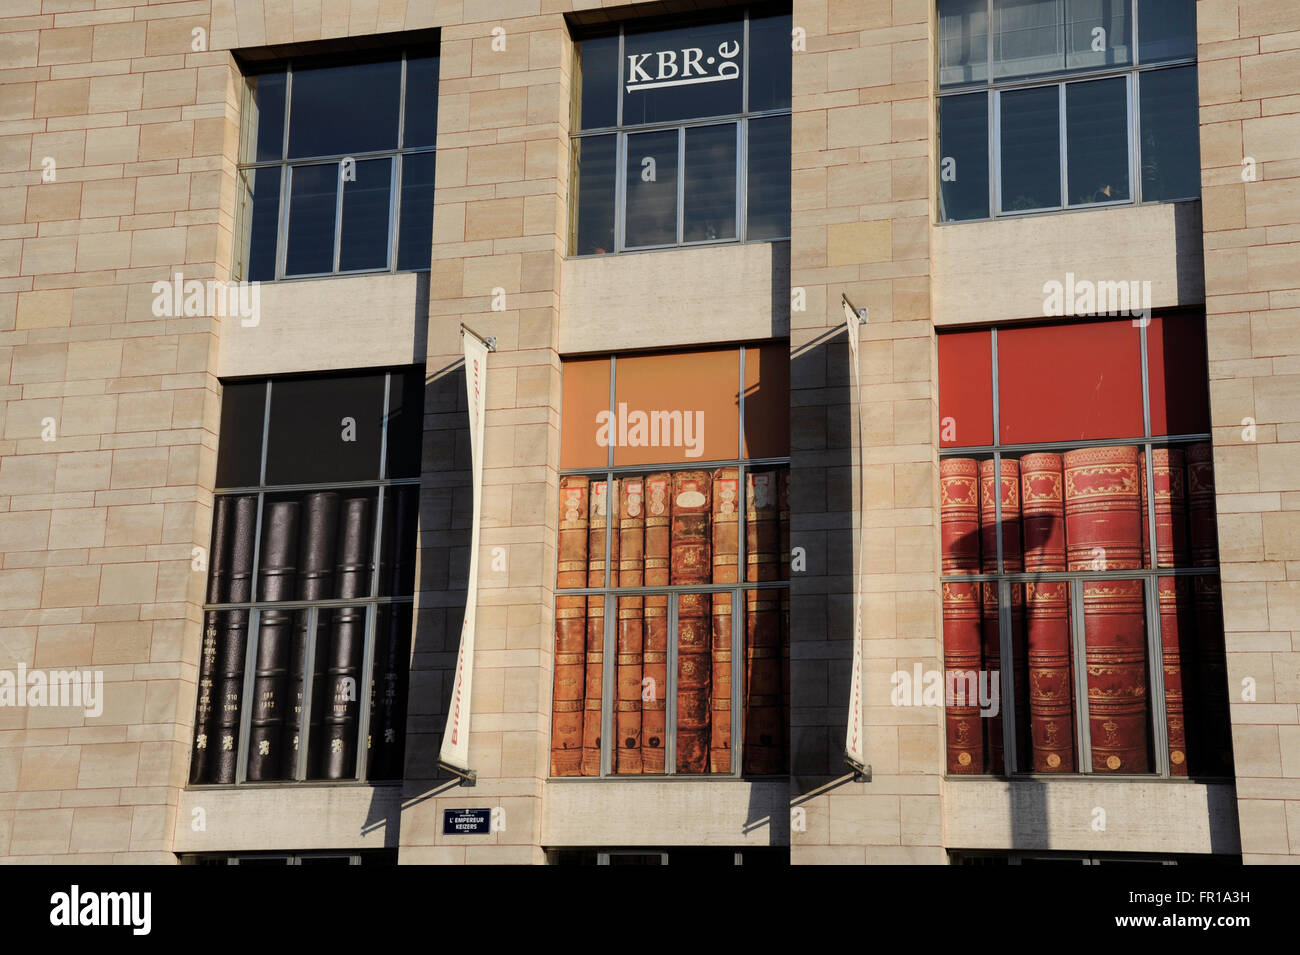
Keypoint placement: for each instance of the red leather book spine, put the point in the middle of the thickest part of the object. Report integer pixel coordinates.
(654, 733)
(1167, 466)
(1042, 497)
(1216, 733)
(726, 531)
(1051, 693)
(992, 647)
(1012, 559)
(959, 515)
(1102, 510)
(570, 630)
(1202, 530)
(1115, 641)
(692, 564)
(762, 749)
(961, 661)
(631, 629)
(601, 495)
(1177, 632)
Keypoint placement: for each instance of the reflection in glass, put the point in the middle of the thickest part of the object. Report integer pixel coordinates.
(1166, 30)
(1170, 134)
(769, 62)
(963, 157)
(261, 189)
(420, 124)
(1031, 149)
(366, 204)
(312, 207)
(710, 183)
(415, 241)
(1028, 37)
(963, 41)
(595, 78)
(343, 110)
(1096, 116)
(651, 189)
(768, 183)
(594, 174)
(264, 127)
(1097, 33)
(1119, 712)
(684, 73)
(325, 429)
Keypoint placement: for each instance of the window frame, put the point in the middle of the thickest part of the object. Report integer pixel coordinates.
(285, 165)
(992, 88)
(1157, 712)
(621, 132)
(372, 602)
(609, 472)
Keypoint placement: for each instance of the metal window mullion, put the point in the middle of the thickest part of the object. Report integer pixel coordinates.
(1135, 132)
(670, 701)
(1133, 31)
(739, 609)
(742, 182)
(1156, 671)
(609, 674)
(308, 685)
(1007, 679)
(1063, 146)
(282, 221)
(995, 146)
(394, 209)
(246, 701)
(364, 693)
(338, 213)
(620, 190)
(383, 431)
(681, 184)
(618, 118)
(1079, 658)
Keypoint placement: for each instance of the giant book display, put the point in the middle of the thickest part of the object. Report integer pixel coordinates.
(386, 745)
(762, 743)
(602, 494)
(347, 642)
(315, 582)
(234, 640)
(570, 630)
(658, 547)
(959, 521)
(726, 536)
(691, 564)
(630, 636)
(277, 575)
(205, 716)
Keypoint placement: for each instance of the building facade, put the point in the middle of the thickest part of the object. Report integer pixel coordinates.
(241, 239)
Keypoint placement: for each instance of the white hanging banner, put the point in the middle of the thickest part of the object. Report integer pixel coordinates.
(854, 738)
(454, 754)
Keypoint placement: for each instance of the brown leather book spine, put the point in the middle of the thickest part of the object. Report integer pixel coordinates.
(763, 735)
(1115, 651)
(1168, 468)
(959, 515)
(629, 665)
(691, 563)
(1051, 693)
(694, 641)
(992, 647)
(783, 516)
(1042, 497)
(570, 630)
(1216, 728)
(1202, 530)
(601, 496)
(658, 520)
(962, 657)
(1177, 634)
(726, 535)
(1012, 559)
(762, 527)
(1102, 509)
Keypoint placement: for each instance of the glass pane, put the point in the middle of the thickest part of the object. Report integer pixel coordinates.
(1169, 469)
(1177, 370)
(1171, 144)
(965, 389)
(594, 176)
(963, 672)
(651, 210)
(1097, 33)
(1166, 30)
(1028, 37)
(263, 217)
(1050, 679)
(1031, 149)
(311, 538)
(1119, 710)
(388, 693)
(239, 448)
(325, 429)
(596, 79)
(684, 73)
(405, 424)
(1096, 117)
(312, 209)
(397, 550)
(767, 401)
(964, 157)
(367, 204)
(264, 125)
(1211, 728)
(769, 62)
(415, 238)
(704, 683)
(988, 688)
(710, 183)
(420, 125)
(1103, 509)
(343, 110)
(963, 41)
(273, 724)
(768, 185)
(340, 644)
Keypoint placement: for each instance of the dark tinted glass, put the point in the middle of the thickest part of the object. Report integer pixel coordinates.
(595, 172)
(596, 75)
(1171, 153)
(710, 183)
(684, 73)
(963, 41)
(325, 429)
(405, 424)
(769, 63)
(264, 222)
(1097, 33)
(366, 206)
(312, 201)
(310, 542)
(1096, 117)
(1031, 149)
(963, 157)
(342, 110)
(1166, 30)
(416, 238)
(239, 450)
(266, 97)
(1028, 37)
(651, 217)
(768, 183)
(421, 121)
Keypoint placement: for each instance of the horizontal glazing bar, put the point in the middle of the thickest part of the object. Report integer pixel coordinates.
(1068, 445)
(322, 160)
(1141, 574)
(680, 124)
(674, 589)
(307, 604)
(693, 466)
(334, 486)
(1054, 79)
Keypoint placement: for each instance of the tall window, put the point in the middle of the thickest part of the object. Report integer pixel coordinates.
(1060, 104)
(671, 650)
(336, 166)
(1069, 646)
(311, 572)
(682, 135)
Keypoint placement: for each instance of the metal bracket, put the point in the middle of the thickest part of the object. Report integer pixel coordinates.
(467, 776)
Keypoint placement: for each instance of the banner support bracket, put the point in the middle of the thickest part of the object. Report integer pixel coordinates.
(467, 776)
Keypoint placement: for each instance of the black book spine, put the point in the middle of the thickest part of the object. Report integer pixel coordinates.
(388, 711)
(347, 641)
(315, 582)
(234, 637)
(277, 577)
(205, 715)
